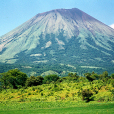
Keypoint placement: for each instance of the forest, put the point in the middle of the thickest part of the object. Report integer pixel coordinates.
(61, 70)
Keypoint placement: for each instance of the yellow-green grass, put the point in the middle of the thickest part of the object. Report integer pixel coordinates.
(56, 108)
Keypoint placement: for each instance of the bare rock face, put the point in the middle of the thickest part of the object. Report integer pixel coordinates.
(63, 36)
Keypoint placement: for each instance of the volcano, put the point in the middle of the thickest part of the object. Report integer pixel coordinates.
(67, 36)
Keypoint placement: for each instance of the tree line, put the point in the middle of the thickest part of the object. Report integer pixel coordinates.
(16, 79)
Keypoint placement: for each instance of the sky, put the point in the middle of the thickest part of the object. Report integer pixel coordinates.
(15, 12)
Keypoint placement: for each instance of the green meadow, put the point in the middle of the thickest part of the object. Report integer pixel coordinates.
(57, 108)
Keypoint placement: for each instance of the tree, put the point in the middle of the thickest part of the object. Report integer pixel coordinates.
(95, 76)
(13, 78)
(88, 76)
(34, 81)
(70, 74)
(112, 82)
(50, 78)
(105, 74)
(112, 76)
(91, 76)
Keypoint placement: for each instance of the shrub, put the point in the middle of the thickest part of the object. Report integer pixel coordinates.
(22, 99)
(112, 82)
(10, 97)
(100, 99)
(42, 94)
(86, 95)
(55, 85)
(91, 76)
(29, 93)
(22, 91)
(34, 81)
(104, 98)
(33, 88)
(48, 79)
(112, 76)
(66, 95)
(57, 98)
(73, 94)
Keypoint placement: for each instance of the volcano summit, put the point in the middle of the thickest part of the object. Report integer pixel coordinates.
(67, 36)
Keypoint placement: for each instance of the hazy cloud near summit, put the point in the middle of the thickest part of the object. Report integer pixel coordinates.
(112, 26)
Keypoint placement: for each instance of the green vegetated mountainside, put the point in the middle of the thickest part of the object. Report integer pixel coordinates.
(61, 70)
(63, 36)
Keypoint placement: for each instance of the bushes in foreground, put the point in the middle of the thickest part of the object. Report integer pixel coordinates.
(34, 81)
(48, 79)
(86, 95)
(71, 91)
(13, 78)
(17, 79)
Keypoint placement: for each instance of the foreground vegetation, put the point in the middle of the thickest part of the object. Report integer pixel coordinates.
(16, 86)
(56, 108)
(22, 94)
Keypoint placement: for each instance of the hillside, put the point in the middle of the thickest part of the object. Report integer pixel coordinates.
(51, 36)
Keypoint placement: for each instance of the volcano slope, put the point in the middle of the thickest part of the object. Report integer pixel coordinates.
(67, 36)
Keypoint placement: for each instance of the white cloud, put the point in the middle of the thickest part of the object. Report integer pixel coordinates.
(112, 26)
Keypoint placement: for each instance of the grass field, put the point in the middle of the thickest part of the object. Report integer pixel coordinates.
(57, 108)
